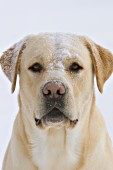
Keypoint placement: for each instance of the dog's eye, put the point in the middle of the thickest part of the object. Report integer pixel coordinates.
(35, 67)
(74, 67)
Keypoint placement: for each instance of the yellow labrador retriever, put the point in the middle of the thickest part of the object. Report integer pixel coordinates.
(58, 126)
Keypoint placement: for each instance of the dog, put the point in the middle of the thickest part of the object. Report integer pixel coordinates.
(58, 126)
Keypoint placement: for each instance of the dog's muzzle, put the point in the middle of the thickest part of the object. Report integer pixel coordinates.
(54, 96)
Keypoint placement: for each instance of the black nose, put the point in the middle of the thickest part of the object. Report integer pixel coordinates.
(54, 89)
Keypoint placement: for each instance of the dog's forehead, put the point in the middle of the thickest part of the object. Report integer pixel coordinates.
(55, 46)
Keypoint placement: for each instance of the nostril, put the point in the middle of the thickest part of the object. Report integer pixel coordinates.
(49, 92)
(46, 91)
(59, 92)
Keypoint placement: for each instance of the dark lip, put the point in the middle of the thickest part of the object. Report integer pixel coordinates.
(54, 115)
(53, 108)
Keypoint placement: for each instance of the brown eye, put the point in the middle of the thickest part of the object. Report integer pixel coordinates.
(36, 67)
(74, 67)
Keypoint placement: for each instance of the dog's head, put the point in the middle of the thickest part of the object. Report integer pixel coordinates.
(56, 76)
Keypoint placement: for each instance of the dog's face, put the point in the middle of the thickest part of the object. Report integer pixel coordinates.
(53, 79)
(56, 78)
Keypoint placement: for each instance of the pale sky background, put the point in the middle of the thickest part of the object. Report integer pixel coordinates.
(20, 18)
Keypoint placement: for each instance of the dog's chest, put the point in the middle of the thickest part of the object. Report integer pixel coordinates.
(53, 153)
(55, 160)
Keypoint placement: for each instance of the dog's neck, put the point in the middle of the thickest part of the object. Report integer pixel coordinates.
(61, 148)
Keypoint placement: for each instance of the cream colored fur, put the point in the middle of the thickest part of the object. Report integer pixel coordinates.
(87, 145)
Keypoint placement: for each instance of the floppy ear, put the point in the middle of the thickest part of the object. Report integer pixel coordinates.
(102, 61)
(10, 61)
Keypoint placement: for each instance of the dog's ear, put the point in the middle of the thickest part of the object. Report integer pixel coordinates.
(102, 61)
(10, 61)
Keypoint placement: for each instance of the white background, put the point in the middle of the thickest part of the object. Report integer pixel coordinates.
(19, 18)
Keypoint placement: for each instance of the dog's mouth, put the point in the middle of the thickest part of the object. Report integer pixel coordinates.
(55, 118)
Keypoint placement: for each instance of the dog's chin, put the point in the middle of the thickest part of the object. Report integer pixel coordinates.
(55, 119)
